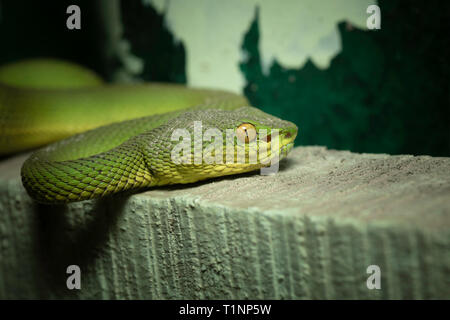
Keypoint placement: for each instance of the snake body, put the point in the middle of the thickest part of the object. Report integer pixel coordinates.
(114, 137)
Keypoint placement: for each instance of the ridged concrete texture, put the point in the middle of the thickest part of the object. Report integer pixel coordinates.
(310, 231)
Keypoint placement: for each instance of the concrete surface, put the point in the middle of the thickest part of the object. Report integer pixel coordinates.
(309, 232)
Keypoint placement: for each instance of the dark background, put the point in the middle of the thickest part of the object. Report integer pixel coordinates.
(387, 91)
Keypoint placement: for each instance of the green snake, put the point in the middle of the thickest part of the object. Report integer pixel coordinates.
(103, 139)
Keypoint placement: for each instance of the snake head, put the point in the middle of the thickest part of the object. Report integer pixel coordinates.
(202, 144)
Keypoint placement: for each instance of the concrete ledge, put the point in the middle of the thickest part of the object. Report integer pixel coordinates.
(310, 231)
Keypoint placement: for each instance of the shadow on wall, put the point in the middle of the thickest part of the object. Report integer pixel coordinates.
(40, 31)
(30, 29)
(65, 236)
(387, 91)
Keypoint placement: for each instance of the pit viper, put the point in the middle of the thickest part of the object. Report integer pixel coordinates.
(99, 139)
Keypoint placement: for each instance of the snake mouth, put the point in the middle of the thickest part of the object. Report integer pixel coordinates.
(286, 149)
(286, 143)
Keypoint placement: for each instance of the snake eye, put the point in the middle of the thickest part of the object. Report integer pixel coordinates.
(246, 132)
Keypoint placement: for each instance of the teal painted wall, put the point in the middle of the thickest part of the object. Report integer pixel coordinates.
(388, 91)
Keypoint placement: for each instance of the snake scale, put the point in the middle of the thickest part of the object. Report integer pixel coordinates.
(100, 139)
